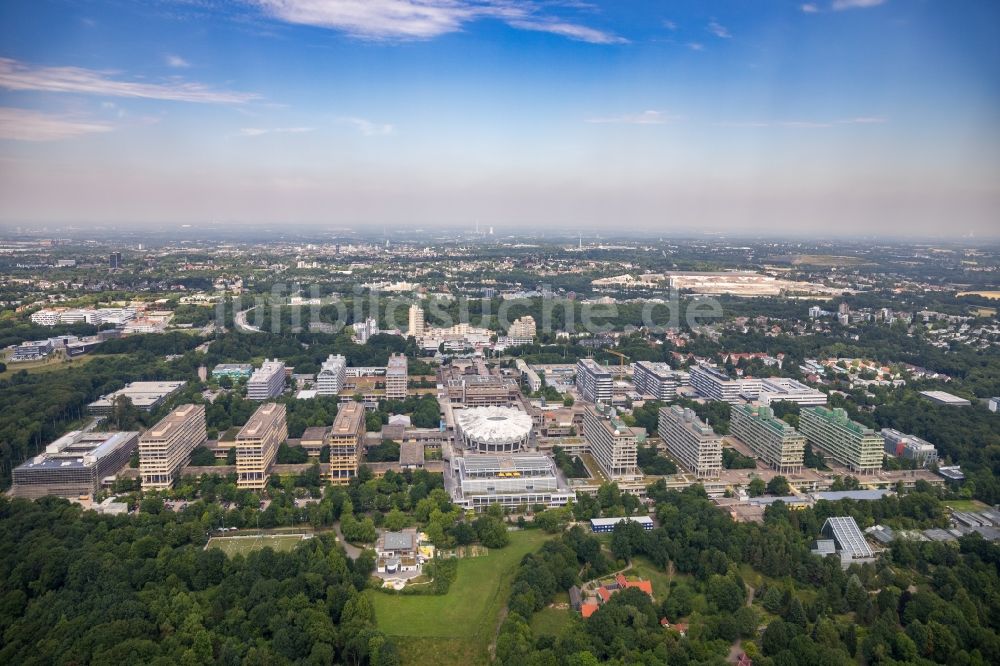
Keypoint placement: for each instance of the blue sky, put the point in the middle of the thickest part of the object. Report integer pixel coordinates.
(831, 116)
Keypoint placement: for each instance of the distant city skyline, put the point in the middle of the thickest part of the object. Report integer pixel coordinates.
(834, 117)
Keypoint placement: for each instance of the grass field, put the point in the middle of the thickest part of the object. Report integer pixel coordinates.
(551, 621)
(244, 545)
(965, 505)
(992, 295)
(51, 364)
(456, 628)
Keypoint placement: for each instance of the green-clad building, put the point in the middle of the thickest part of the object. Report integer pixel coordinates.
(848, 442)
(777, 443)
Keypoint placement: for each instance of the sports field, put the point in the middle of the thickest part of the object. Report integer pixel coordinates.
(456, 628)
(245, 544)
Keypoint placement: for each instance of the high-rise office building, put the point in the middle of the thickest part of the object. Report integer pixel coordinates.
(776, 442)
(655, 379)
(346, 442)
(691, 441)
(115, 260)
(330, 379)
(593, 381)
(396, 377)
(257, 445)
(848, 442)
(166, 447)
(613, 444)
(416, 325)
(267, 381)
(522, 328)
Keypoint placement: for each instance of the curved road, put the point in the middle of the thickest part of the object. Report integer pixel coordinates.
(352, 551)
(240, 318)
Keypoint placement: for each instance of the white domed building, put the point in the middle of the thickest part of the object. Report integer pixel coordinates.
(494, 429)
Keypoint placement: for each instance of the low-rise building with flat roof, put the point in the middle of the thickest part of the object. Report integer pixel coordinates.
(783, 389)
(945, 398)
(74, 465)
(608, 524)
(508, 480)
(144, 396)
(232, 370)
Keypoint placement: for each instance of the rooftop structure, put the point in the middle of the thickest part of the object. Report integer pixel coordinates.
(909, 447)
(314, 439)
(267, 381)
(945, 398)
(613, 444)
(476, 390)
(777, 443)
(508, 480)
(144, 396)
(656, 380)
(346, 442)
(774, 389)
(691, 441)
(712, 383)
(257, 445)
(593, 381)
(494, 429)
(167, 446)
(849, 442)
(74, 465)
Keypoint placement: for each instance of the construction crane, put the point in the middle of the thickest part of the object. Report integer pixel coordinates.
(620, 356)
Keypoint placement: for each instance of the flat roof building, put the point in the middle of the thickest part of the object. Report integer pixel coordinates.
(849, 442)
(849, 541)
(945, 398)
(330, 380)
(909, 447)
(528, 375)
(594, 382)
(166, 447)
(508, 480)
(656, 380)
(613, 444)
(74, 465)
(712, 383)
(691, 441)
(608, 524)
(777, 443)
(233, 370)
(346, 441)
(396, 377)
(257, 445)
(313, 440)
(267, 381)
(775, 389)
(144, 396)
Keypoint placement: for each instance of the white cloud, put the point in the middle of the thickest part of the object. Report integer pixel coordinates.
(719, 30)
(259, 131)
(424, 19)
(15, 75)
(807, 124)
(839, 5)
(367, 127)
(644, 118)
(670, 25)
(810, 8)
(26, 125)
(696, 46)
(176, 61)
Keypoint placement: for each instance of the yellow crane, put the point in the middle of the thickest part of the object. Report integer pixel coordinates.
(620, 356)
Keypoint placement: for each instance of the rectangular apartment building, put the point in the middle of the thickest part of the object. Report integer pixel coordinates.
(613, 444)
(594, 382)
(257, 445)
(777, 443)
(396, 377)
(267, 381)
(691, 441)
(74, 465)
(166, 447)
(714, 384)
(847, 441)
(655, 379)
(332, 374)
(346, 440)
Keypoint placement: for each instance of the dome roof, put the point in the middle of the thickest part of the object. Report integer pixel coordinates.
(494, 425)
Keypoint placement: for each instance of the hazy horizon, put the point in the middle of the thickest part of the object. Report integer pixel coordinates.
(832, 118)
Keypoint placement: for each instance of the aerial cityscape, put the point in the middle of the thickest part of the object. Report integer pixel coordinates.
(453, 332)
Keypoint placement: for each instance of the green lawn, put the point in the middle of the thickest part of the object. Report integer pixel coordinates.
(466, 617)
(965, 505)
(551, 621)
(51, 364)
(243, 545)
